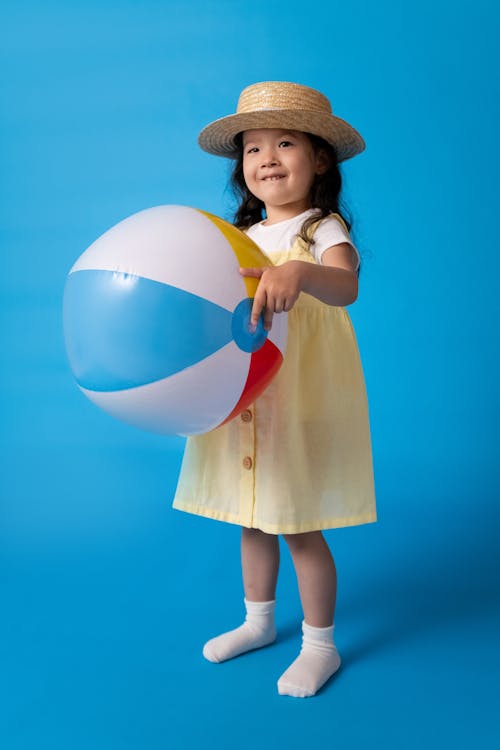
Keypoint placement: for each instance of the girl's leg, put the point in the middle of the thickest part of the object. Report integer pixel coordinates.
(260, 559)
(317, 578)
(260, 563)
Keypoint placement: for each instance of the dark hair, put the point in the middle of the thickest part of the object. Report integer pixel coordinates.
(325, 192)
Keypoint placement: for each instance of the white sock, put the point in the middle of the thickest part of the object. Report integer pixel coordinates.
(317, 661)
(258, 630)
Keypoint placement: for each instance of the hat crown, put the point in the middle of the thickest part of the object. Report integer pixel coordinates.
(276, 95)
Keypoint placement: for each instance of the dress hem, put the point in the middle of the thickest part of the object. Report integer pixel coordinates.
(267, 528)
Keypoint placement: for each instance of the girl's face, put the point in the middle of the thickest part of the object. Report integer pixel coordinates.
(279, 167)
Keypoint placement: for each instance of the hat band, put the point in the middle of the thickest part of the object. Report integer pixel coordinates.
(288, 110)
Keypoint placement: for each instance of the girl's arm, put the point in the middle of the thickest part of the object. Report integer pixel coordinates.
(335, 282)
(339, 286)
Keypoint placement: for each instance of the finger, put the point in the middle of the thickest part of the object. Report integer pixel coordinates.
(289, 303)
(255, 273)
(258, 305)
(268, 319)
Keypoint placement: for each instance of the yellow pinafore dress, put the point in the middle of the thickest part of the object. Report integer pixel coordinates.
(299, 459)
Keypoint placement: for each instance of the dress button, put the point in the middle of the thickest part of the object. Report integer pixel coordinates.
(247, 462)
(246, 416)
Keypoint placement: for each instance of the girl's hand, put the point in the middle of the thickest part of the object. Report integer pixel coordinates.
(277, 292)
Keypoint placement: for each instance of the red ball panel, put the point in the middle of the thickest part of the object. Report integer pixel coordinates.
(264, 364)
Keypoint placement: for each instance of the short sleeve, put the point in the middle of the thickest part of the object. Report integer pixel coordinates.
(331, 232)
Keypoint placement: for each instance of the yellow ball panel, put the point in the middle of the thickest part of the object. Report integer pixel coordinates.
(249, 254)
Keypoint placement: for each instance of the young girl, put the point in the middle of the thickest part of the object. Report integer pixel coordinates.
(299, 460)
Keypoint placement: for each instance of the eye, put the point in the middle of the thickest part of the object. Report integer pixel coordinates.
(285, 144)
(252, 150)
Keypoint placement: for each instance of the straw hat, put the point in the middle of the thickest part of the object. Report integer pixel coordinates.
(276, 104)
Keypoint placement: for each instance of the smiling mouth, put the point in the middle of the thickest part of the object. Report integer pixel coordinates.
(273, 178)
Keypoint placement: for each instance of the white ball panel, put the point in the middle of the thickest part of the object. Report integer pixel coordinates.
(190, 402)
(176, 245)
(278, 333)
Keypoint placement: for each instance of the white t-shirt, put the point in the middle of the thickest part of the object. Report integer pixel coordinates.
(281, 236)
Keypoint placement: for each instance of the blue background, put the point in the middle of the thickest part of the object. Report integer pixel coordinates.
(107, 593)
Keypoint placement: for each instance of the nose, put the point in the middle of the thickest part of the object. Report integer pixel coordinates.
(269, 157)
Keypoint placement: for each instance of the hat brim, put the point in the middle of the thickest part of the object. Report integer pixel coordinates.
(219, 136)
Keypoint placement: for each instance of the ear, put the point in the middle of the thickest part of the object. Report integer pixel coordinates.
(322, 161)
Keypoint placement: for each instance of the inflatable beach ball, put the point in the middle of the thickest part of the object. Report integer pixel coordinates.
(156, 322)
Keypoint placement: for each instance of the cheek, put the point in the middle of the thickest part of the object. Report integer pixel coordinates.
(247, 173)
(251, 182)
(309, 171)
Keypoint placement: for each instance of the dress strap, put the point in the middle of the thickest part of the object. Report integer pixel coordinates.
(315, 225)
(312, 229)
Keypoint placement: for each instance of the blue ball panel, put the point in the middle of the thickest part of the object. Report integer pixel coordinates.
(124, 331)
(240, 326)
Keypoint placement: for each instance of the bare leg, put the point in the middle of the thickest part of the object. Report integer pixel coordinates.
(316, 576)
(260, 559)
(259, 562)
